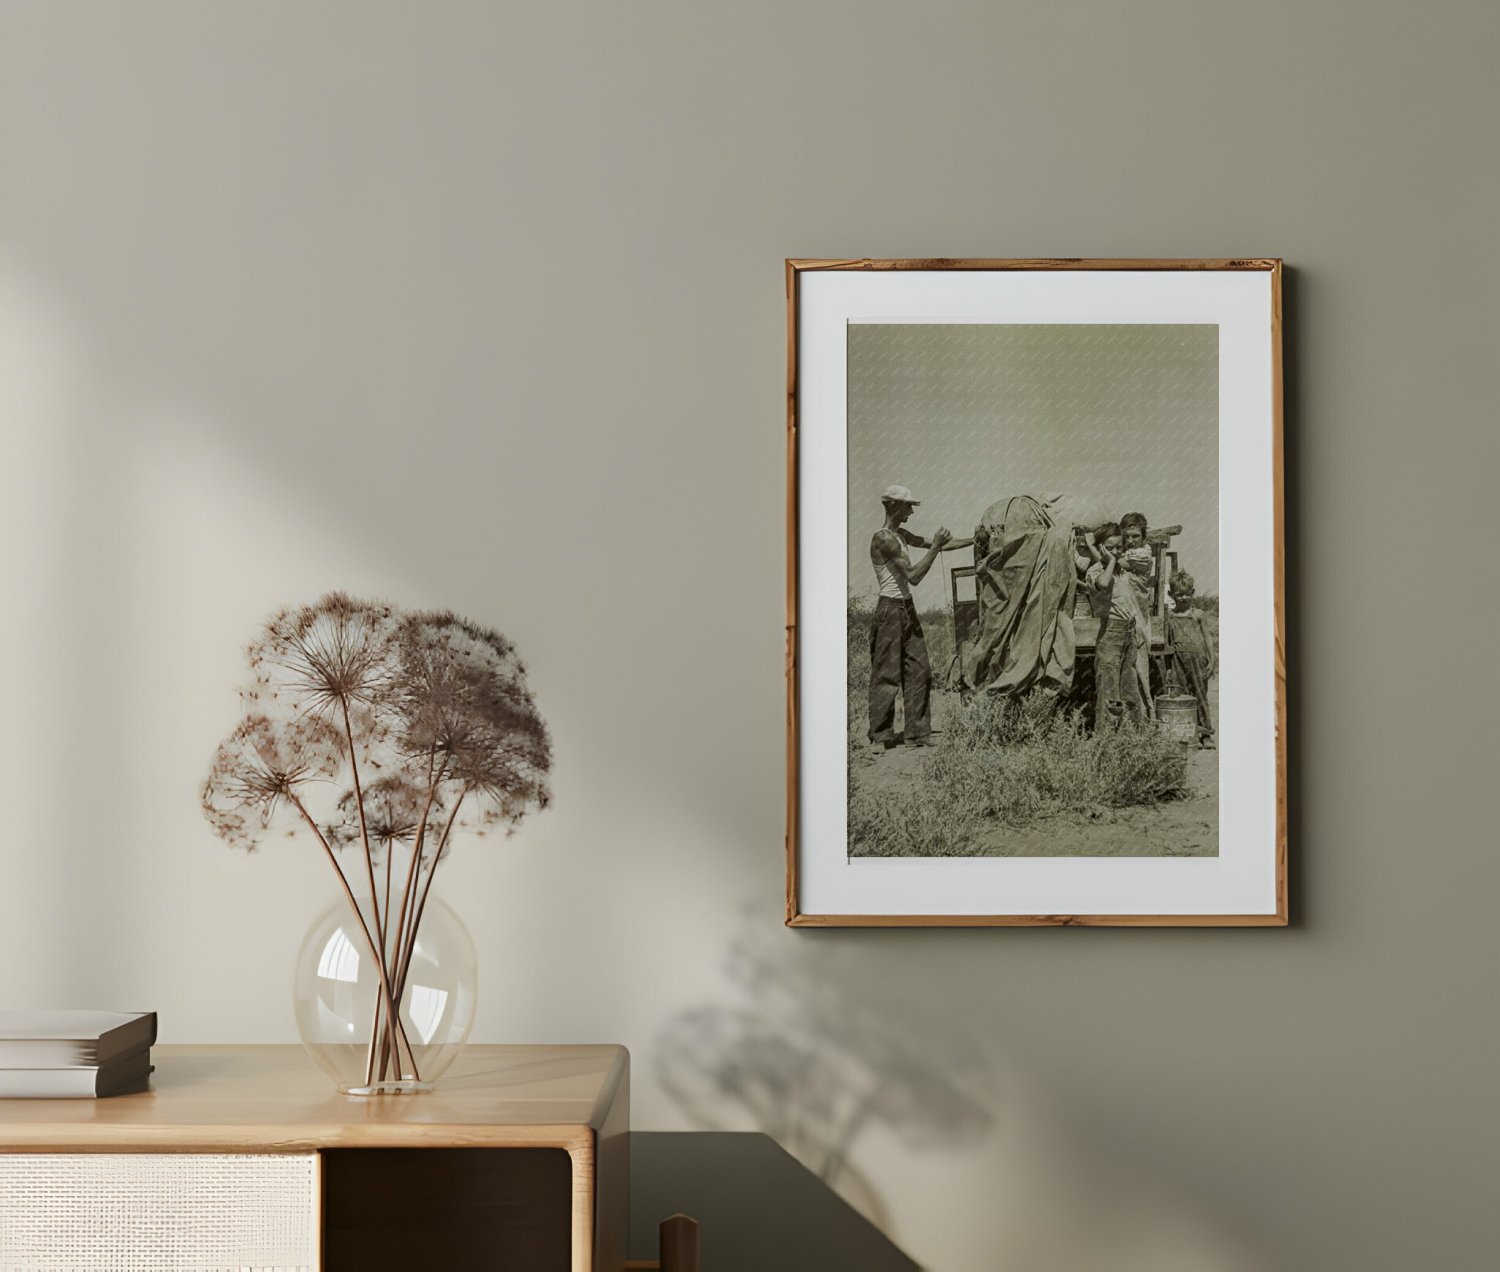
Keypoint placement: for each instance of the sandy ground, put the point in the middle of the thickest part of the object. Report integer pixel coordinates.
(1181, 828)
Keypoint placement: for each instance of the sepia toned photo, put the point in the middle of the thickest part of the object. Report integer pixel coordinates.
(1036, 667)
(1033, 589)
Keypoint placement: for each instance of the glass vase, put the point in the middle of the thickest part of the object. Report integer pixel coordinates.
(341, 1000)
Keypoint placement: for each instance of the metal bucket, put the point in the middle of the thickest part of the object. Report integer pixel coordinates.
(1177, 717)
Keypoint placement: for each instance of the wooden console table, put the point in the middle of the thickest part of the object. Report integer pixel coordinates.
(520, 1158)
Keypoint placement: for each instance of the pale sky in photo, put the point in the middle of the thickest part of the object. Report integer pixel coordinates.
(964, 414)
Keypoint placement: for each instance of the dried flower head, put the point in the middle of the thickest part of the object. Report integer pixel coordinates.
(427, 716)
(261, 767)
(322, 658)
(461, 695)
(428, 706)
(394, 805)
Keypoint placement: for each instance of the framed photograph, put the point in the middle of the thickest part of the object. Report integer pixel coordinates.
(1035, 665)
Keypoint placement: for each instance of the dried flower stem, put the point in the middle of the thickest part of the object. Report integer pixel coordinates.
(403, 965)
(364, 838)
(364, 832)
(434, 778)
(385, 954)
(385, 984)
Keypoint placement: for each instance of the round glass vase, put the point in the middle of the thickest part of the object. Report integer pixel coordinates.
(340, 1000)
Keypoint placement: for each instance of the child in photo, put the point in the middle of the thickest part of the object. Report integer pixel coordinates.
(1117, 685)
(1085, 555)
(1196, 655)
(1085, 550)
(1089, 555)
(1138, 565)
(1137, 559)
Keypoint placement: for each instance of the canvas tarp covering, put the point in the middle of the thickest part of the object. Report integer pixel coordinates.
(1025, 585)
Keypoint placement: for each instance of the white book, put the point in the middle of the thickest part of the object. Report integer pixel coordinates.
(72, 1039)
(120, 1076)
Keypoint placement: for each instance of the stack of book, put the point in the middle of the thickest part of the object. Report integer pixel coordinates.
(49, 1055)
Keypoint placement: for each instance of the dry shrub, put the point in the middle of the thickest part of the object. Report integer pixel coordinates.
(1014, 762)
(882, 824)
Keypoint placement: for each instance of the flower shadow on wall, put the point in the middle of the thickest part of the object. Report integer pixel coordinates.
(801, 1060)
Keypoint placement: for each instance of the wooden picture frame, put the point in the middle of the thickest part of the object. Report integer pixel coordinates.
(872, 351)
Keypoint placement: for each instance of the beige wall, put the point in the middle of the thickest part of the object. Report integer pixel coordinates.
(480, 305)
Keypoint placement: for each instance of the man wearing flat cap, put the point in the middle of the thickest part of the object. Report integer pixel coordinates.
(898, 650)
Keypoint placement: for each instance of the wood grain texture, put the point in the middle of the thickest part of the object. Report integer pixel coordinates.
(583, 1168)
(1278, 498)
(792, 803)
(1035, 920)
(795, 267)
(611, 1199)
(275, 1099)
(262, 1099)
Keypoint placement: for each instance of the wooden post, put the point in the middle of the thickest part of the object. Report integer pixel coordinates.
(679, 1244)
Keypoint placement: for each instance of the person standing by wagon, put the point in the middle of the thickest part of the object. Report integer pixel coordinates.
(1117, 693)
(1196, 656)
(898, 649)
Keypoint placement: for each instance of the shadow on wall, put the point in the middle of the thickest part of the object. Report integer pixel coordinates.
(921, 1125)
(805, 1062)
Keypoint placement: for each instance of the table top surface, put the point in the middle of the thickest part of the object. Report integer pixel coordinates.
(275, 1099)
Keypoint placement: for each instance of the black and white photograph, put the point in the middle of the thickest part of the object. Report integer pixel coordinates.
(1033, 589)
(1037, 671)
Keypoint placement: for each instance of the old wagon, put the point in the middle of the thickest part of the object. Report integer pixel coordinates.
(965, 611)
